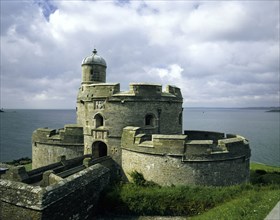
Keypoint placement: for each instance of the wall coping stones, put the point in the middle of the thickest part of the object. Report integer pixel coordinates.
(133, 139)
(171, 137)
(38, 198)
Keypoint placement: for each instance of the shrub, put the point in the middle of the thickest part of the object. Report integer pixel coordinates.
(137, 178)
(261, 177)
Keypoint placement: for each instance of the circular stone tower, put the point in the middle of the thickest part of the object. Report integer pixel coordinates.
(93, 69)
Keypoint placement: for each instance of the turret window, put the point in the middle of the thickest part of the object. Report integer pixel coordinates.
(150, 120)
(99, 120)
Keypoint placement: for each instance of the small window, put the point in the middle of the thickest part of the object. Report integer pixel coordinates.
(99, 121)
(150, 120)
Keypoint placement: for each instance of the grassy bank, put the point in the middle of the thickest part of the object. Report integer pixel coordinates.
(252, 205)
(248, 201)
(24, 161)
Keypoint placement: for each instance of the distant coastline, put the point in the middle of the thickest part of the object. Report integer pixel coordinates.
(267, 109)
(273, 110)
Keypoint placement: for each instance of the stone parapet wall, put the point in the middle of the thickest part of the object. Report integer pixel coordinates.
(50, 144)
(172, 170)
(174, 159)
(71, 133)
(74, 197)
(135, 139)
(99, 90)
(45, 154)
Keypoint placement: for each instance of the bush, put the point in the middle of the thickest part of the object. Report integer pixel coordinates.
(139, 180)
(261, 177)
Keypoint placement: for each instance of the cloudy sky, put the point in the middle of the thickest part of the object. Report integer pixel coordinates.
(220, 53)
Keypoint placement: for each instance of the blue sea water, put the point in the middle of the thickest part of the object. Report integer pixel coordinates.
(261, 128)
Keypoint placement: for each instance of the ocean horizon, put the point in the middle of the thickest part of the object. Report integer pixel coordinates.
(257, 125)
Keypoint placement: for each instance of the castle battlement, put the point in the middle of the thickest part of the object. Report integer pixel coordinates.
(89, 92)
(98, 90)
(49, 144)
(212, 159)
(71, 133)
(134, 139)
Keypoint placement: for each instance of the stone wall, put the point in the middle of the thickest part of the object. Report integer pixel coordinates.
(172, 170)
(174, 159)
(74, 197)
(130, 108)
(50, 144)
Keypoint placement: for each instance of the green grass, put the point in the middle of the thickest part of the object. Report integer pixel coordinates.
(252, 205)
(247, 201)
(28, 166)
(259, 166)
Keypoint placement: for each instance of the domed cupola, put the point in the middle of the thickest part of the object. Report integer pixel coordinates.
(94, 59)
(93, 69)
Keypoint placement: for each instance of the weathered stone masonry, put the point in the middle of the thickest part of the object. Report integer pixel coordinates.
(179, 160)
(53, 197)
(48, 145)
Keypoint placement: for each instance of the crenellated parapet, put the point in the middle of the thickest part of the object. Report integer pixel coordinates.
(197, 157)
(96, 91)
(71, 133)
(134, 139)
(111, 92)
(50, 144)
(207, 146)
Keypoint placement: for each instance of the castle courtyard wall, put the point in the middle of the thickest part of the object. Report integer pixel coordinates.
(74, 197)
(48, 145)
(176, 160)
(172, 170)
(45, 154)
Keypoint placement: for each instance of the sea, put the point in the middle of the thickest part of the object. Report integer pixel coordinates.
(260, 127)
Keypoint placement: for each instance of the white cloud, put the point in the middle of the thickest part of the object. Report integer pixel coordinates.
(220, 53)
(172, 73)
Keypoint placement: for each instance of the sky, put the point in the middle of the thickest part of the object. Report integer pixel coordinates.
(220, 53)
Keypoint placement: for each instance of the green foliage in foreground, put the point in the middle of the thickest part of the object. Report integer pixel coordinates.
(264, 175)
(247, 201)
(253, 205)
(130, 199)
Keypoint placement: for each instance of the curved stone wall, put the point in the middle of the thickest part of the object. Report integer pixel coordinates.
(48, 145)
(171, 170)
(121, 109)
(179, 160)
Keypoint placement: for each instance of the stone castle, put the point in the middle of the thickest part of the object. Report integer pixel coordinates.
(118, 132)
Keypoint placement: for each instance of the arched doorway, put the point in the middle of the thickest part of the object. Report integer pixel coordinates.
(99, 149)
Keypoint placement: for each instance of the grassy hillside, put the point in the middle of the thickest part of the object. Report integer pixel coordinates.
(247, 201)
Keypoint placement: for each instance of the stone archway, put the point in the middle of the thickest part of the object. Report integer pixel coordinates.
(99, 149)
